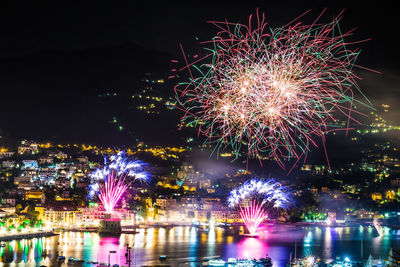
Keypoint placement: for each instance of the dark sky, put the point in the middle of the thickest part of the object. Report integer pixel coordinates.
(32, 25)
(28, 27)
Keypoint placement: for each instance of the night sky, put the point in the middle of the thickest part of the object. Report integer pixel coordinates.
(30, 26)
(32, 32)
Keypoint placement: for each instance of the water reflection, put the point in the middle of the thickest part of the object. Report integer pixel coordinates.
(279, 242)
(251, 248)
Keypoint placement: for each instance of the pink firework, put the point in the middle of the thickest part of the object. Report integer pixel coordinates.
(256, 198)
(112, 190)
(253, 215)
(118, 174)
(270, 93)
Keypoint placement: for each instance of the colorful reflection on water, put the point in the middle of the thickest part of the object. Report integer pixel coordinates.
(181, 244)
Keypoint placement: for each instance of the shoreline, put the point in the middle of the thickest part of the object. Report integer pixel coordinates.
(26, 236)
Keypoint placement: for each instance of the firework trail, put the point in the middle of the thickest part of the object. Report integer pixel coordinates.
(256, 198)
(270, 92)
(117, 175)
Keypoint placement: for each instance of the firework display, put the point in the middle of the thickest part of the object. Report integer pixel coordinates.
(117, 175)
(256, 198)
(270, 92)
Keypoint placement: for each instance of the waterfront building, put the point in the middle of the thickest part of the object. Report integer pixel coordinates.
(225, 216)
(58, 216)
(364, 214)
(92, 215)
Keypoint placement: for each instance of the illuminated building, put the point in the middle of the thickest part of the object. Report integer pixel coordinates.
(148, 201)
(225, 216)
(209, 202)
(28, 147)
(166, 203)
(61, 216)
(82, 159)
(30, 164)
(62, 183)
(23, 182)
(364, 214)
(45, 160)
(205, 184)
(92, 214)
(58, 155)
(189, 202)
(390, 195)
(306, 167)
(8, 202)
(376, 196)
(314, 191)
(189, 184)
(8, 164)
(47, 175)
(6, 154)
(35, 195)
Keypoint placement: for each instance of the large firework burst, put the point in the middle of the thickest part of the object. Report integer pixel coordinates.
(270, 92)
(117, 175)
(256, 198)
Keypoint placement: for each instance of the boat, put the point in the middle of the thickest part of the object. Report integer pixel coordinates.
(61, 258)
(72, 260)
(163, 257)
(2, 244)
(216, 262)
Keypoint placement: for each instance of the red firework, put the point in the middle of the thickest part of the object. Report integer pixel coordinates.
(270, 93)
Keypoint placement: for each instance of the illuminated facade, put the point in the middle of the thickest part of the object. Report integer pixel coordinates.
(62, 216)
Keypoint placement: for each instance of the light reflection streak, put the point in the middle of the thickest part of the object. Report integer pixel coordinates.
(149, 238)
(307, 244)
(161, 235)
(193, 242)
(327, 254)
